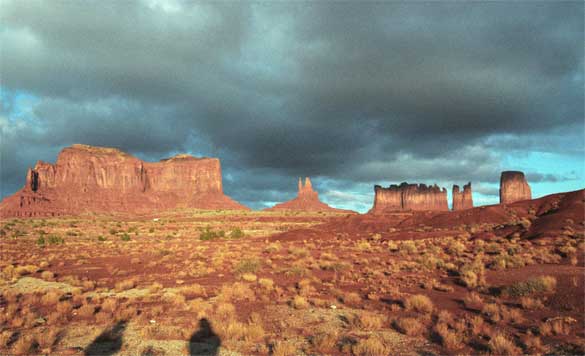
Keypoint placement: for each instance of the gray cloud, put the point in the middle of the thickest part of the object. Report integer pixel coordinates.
(353, 93)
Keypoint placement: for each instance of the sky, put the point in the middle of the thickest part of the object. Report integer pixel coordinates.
(352, 94)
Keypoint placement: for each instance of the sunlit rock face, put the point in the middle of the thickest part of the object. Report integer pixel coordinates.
(409, 197)
(99, 179)
(514, 187)
(462, 199)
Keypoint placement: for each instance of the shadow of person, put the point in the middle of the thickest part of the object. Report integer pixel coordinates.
(204, 341)
(108, 342)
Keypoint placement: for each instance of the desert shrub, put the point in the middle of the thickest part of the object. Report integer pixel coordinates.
(283, 348)
(299, 252)
(372, 346)
(325, 342)
(501, 345)
(266, 283)
(537, 285)
(248, 265)
(51, 297)
(299, 302)
(409, 326)
(531, 303)
(506, 260)
(192, 291)
(125, 237)
(472, 275)
(420, 303)
(86, 311)
(55, 240)
(450, 339)
(556, 326)
(237, 291)
(236, 233)
(368, 320)
(455, 248)
(473, 301)
(207, 234)
(125, 285)
(249, 277)
(102, 238)
(408, 247)
(47, 275)
(352, 298)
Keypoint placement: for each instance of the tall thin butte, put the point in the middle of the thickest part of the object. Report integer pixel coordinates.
(99, 179)
(307, 199)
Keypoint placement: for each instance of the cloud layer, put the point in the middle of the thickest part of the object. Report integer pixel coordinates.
(353, 93)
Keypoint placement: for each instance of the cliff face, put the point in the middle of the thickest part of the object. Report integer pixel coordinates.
(97, 179)
(514, 187)
(462, 200)
(307, 200)
(409, 197)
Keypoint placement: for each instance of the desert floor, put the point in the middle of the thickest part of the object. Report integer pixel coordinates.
(287, 283)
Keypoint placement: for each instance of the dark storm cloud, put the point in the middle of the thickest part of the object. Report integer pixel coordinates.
(351, 92)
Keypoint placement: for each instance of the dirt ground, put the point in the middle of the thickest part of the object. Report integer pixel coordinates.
(491, 280)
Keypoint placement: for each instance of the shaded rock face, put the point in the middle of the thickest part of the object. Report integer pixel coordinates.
(409, 197)
(307, 200)
(99, 179)
(514, 187)
(462, 199)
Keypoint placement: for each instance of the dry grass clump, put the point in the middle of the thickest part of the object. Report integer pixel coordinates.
(283, 348)
(47, 338)
(174, 299)
(352, 298)
(556, 326)
(299, 302)
(531, 303)
(23, 345)
(225, 311)
(450, 339)
(86, 311)
(409, 326)
(368, 320)
(125, 285)
(5, 337)
(110, 305)
(52, 297)
(48, 276)
(237, 291)
(501, 345)
(249, 277)
(266, 283)
(419, 303)
(372, 346)
(193, 291)
(325, 342)
(248, 265)
(473, 301)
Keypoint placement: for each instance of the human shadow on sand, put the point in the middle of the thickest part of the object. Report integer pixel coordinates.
(108, 342)
(204, 341)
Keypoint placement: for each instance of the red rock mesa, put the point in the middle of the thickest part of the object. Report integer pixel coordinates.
(307, 199)
(513, 187)
(99, 179)
(409, 197)
(462, 200)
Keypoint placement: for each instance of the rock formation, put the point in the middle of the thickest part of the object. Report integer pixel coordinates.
(409, 197)
(307, 200)
(513, 187)
(99, 179)
(462, 200)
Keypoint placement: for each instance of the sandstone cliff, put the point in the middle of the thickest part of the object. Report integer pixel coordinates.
(409, 197)
(307, 200)
(99, 179)
(462, 200)
(513, 187)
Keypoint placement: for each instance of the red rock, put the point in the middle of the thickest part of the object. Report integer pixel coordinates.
(513, 187)
(409, 197)
(100, 179)
(307, 200)
(462, 200)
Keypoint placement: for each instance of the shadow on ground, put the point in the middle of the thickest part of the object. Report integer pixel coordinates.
(108, 342)
(204, 341)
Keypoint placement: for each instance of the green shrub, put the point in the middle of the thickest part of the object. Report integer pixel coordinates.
(41, 241)
(55, 240)
(125, 237)
(236, 233)
(248, 265)
(101, 238)
(542, 284)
